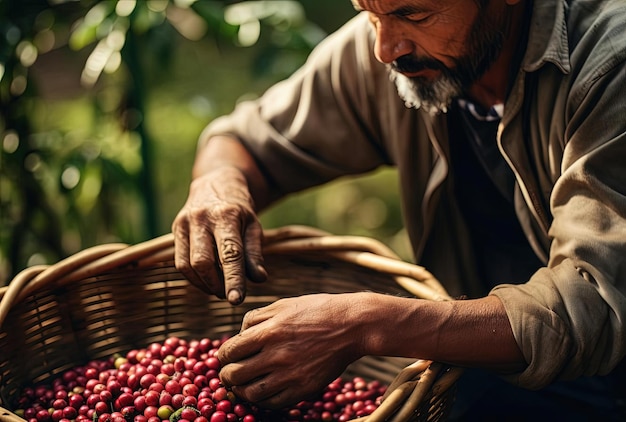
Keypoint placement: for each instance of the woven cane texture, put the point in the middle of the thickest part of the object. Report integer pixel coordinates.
(113, 298)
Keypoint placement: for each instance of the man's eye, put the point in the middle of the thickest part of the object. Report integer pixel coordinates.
(417, 17)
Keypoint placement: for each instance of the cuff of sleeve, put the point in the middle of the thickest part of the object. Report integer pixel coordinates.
(536, 311)
(567, 324)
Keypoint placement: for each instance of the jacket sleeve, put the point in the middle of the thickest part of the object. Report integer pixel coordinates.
(570, 318)
(318, 124)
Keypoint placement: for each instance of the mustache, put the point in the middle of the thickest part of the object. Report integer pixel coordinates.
(412, 64)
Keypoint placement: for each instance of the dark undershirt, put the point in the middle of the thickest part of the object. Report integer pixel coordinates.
(484, 186)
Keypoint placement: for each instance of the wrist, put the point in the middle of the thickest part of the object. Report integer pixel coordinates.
(383, 323)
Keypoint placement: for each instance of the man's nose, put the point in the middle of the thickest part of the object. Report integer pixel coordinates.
(391, 40)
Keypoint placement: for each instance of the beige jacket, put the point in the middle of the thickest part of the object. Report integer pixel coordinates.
(563, 134)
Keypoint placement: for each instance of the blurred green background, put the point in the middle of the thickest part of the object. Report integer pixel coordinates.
(102, 104)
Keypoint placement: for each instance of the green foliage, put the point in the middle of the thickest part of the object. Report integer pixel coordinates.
(102, 103)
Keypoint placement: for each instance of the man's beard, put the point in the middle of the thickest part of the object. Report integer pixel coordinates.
(435, 95)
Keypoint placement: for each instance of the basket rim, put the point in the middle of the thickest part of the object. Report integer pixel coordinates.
(360, 250)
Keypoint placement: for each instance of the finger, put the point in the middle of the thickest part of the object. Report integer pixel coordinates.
(203, 259)
(272, 391)
(256, 316)
(241, 373)
(288, 390)
(181, 254)
(255, 265)
(261, 391)
(230, 251)
(280, 400)
(241, 346)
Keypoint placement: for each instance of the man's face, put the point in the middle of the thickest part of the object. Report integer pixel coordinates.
(434, 49)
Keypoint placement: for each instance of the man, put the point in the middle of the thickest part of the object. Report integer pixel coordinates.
(509, 137)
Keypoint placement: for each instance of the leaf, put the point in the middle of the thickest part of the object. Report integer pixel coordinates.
(83, 35)
(88, 27)
(143, 19)
(212, 12)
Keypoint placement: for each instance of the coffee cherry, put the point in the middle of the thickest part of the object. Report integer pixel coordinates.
(173, 387)
(218, 416)
(189, 413)
(214, 383)
(177, 380)
(164, 412)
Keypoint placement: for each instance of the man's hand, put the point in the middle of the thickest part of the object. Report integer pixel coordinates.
(291, 349)
(218, 236)
(294, 347)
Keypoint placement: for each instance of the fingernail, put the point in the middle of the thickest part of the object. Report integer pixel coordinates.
(234, 296)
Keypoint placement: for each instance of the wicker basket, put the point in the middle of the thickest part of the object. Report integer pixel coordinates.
(113, 297)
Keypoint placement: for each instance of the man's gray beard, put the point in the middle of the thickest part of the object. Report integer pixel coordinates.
(432, 96)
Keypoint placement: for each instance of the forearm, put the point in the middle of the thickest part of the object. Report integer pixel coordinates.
(222, 152)
(473, 333)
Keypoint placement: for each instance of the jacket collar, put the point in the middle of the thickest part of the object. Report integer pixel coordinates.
(547, 40)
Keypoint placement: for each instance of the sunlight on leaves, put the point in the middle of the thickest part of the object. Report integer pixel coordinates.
(11, 142)
(89, 189)
(249, 14)
(125, 7)
(105, 56)
(70, 177)
(85, 30)
(184, 3)
(187, 23)
(27, 53)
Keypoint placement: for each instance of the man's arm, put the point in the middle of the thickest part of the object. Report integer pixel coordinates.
(472, 333)
(217, 228)
(315, 337)
(221, 152)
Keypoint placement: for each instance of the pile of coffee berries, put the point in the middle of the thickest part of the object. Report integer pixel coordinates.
(176, 381)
